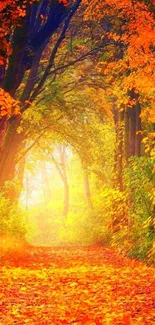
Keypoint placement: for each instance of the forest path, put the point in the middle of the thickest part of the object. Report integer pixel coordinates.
(76, 285)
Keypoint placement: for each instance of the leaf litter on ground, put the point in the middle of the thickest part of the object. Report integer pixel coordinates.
(76, 285)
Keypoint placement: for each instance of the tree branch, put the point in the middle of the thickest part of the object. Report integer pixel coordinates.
(55, 49)
(37, 139)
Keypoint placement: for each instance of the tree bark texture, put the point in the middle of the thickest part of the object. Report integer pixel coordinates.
(132, 131)
(120, 149)
(126, 135)
(16, 66)
(138, 130)
(12, 143)
(61, 168)
(62, 151)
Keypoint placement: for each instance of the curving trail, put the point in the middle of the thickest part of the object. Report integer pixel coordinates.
(76, 285)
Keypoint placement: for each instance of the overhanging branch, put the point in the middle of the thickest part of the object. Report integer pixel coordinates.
(54, 51)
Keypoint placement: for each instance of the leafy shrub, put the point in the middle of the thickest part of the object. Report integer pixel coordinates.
(137, 238)
(96, 226)
(129, 215)
(12, 226)
(77, 228)
(138, 180)
(110, 209)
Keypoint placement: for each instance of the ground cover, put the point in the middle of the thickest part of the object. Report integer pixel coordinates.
(75, 285)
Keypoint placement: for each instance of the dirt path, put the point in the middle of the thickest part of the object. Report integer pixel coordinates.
(76, 286)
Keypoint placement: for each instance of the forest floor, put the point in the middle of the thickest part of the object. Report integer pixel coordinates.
(76, 285)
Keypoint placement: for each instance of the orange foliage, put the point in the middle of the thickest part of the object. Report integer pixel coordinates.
(8, 106)
(91, 286)
(4, 3)
(9, 18)
(134, 28)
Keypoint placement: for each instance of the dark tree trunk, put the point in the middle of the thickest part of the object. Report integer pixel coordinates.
(138, 130)
(16, 67)
(126, 135)
(115, 172)
(3, 128)
(120, 149)
(2, 74)
(128, 140)
(32, 78)
(132, 131)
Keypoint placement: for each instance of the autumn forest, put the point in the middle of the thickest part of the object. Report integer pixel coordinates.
(77, 162)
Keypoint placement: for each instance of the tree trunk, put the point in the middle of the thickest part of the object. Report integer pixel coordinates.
(12, 142)
(87, 192)
(32, 78)
(120, 150)
(62, 151)
(3, 128)
(115, 172)
(2, 74)
(126, 135)
(45, 182)
(61, 168)
(138, 130)
(132, 130)
(16, 66)
(66, 199)
(19, 180)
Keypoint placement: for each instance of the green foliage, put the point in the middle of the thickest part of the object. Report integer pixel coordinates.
(95, 226)
(139, 186)
(137, 237)
(81, 229)
(110, 204)
(11, 220)
(110, 214)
